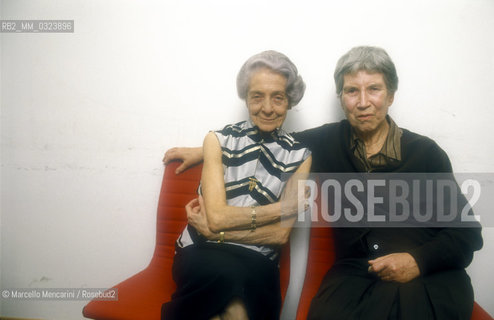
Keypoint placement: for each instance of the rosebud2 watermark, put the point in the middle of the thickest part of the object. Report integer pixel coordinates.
(396, 200)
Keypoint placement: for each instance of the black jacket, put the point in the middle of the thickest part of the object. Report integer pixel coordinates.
(434, 249)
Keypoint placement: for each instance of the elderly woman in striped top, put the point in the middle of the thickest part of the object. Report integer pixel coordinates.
(226, 263)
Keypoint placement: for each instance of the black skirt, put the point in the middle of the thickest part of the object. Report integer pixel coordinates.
(210, 275)
(349, 291)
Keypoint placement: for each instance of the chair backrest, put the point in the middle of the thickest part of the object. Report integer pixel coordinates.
(321, 258)
(176, 192)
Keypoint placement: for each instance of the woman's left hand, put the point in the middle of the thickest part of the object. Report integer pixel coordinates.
(196, 215)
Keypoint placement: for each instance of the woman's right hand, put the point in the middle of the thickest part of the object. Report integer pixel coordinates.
(189, 157)
(196, 216)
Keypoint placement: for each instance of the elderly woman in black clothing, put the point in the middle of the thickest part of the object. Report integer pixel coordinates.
(226, 264)
(386, 273)
(383, 273)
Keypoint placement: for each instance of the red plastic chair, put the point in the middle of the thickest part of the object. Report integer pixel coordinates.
(141, 296)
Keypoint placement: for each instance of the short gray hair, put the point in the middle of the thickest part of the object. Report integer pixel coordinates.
(277, 62)
(370, 59)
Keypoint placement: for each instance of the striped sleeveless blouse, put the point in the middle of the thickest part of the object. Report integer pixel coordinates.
(247, 154)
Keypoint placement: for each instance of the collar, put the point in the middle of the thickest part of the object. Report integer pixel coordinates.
(392, 145)
(257, 135)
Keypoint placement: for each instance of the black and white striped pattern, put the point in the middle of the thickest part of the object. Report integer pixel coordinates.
(246, 153)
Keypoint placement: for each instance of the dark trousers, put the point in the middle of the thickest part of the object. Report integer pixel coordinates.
(210, 275)
(349, 292)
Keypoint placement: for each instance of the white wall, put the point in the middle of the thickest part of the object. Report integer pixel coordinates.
(86, 117)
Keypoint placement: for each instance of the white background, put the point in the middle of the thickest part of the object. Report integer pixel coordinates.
(86, 117)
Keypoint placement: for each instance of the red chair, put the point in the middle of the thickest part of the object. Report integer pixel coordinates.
(141, 296)
(321, 253)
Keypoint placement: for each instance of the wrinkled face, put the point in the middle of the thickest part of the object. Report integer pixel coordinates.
(365, 101)
(267, 100)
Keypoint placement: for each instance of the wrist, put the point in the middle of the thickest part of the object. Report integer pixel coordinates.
(220, 237)
(253, 218)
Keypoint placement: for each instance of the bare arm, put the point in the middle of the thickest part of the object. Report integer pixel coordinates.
(272, 234)
(222, 217)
